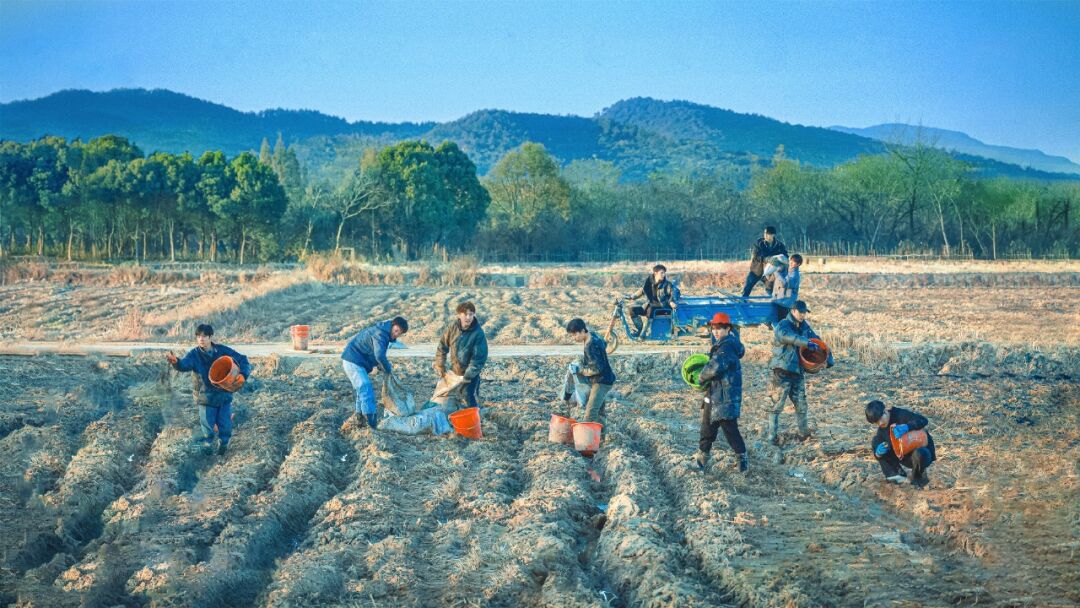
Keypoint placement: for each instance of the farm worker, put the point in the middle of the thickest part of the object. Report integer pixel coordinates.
(464, 341)
(786, 287)
(765, 247)
(788, 379)
(364, 352)
(215, 404)
(589, 379)
(904, 420)
(722, 380)
(658, 293)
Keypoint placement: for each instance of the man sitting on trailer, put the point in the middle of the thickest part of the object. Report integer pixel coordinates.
(659, 298)
(764, 248)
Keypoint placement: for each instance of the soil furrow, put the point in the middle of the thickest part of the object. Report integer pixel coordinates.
(748, 532)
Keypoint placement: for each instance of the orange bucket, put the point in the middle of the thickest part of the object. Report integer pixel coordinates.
(587, 437)
(467, 422)
(815, 361)
(560, 430)
(908, 442)
(225, 374)
(300, 335)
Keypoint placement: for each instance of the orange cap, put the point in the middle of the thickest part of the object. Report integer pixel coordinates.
(720, 318)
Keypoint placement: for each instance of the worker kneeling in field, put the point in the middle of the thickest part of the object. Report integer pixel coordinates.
(588, 380)
(894, 423)
(721, 378)
(464, 341)
(215, 403)
(364, 352)
(659, 294)
(786, 287)
(788, 380)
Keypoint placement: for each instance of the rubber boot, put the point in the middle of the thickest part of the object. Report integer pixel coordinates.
(701, 460)
(744, 464)
(774, 429)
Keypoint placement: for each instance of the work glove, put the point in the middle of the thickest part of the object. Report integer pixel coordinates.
(881, 449)
(372, 419)
(899, 430)
(813, 347)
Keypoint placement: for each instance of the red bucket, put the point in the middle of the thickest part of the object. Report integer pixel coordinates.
(225, 374)
(300, 336)
(587, 437)
(561, 430)
(467, 422)
(908, 442)
(814, 361)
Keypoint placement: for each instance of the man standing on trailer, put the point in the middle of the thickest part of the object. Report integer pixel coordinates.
(786, 288)
(764, 248)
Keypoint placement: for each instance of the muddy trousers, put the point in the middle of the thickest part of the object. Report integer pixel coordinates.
(588, 395)
(917, 461)
(782, 387)
(221, 417)
(710, 428)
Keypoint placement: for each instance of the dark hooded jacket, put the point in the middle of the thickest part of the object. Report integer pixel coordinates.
(722, 378)
(898, 415)
(467, 348)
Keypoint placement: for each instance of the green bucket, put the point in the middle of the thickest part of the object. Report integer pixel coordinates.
(692, 367)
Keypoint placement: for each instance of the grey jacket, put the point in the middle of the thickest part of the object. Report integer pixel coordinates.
(722, 378)
(467, 348)
(788, 337)
(786, 288)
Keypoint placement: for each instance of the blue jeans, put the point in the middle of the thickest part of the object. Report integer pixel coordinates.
(220, 416)
(361, 382)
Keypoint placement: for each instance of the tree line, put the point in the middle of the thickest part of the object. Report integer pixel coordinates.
(106, 199)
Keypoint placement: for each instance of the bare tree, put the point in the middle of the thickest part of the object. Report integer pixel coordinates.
(359, 193)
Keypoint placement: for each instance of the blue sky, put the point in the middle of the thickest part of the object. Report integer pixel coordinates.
(1005, 72)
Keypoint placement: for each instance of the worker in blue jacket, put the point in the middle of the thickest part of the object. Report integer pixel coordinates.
(215, 404)
(788, 379)
(364, 352)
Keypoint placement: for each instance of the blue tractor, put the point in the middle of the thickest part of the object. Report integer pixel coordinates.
(689, 315)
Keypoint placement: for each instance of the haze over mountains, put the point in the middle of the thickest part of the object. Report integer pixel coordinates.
(639, 136)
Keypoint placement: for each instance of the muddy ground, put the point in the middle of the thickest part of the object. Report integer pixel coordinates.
(865, 310)
(106, 503)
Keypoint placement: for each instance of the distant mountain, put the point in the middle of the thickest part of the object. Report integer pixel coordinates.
(964, 143)
(639, 136)
(734, 132)
(172, 122)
